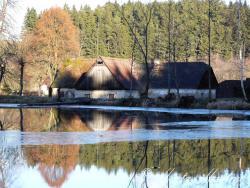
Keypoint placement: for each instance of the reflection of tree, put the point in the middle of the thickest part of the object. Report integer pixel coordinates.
(9, 160)
(144, 158)
(71, 122)
(55, 162)
(187, 157)
(9, 119)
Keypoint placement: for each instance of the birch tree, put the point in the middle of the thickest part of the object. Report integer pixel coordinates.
(5, 20)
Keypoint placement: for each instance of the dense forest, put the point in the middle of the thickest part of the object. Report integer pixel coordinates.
(103, 31)
(167, 31)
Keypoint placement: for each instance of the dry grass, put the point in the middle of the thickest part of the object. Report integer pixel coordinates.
(229, 104)
(25, 99)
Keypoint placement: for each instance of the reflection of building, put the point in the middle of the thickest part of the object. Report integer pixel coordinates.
(105, 121)
(224, 118)
(55, 162)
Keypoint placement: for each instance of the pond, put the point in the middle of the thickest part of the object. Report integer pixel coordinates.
(84, 146)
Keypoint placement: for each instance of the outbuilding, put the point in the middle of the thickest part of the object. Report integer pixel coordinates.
(190, 79)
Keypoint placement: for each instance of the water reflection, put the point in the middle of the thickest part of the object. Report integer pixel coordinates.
(52, 149)
(47, 120)
(134, 163)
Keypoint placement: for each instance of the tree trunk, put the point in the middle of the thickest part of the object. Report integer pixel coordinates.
(241, 61)
(131, 70)
(175, 75)
(2, 72)
(21, 120)
(21, 77)
(242, 76)
(3, 13)
(1, 126)
(50, 91)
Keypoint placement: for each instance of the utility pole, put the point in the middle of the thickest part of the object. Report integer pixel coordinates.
(97, 38)
(169, 45)
(209, 50)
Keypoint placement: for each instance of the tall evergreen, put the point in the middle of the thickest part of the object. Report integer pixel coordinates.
(103, 31)
(30, 20)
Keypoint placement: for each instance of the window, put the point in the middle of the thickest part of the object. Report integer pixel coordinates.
(111, 96)
(99, 62)
(87, 96)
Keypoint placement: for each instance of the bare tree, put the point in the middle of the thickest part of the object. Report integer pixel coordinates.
(5, 20)
(142, 45)
(241, 52)
(16, 52)
(10, 161)
(175, 35)
(3, 62)
(8, 76)
(132, 59)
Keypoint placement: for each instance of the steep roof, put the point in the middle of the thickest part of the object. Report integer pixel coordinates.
(119, 68)
(192, 75)
(69, 75)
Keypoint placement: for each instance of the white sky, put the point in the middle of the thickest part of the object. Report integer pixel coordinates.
(39, 5)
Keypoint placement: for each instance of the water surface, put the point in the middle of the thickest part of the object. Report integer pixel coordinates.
(83, 147)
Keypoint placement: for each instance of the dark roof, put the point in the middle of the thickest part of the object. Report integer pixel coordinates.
(232, 89)
(192, 75)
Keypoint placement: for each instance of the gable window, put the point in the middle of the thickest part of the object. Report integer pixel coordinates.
(111, 96)
(99, 62)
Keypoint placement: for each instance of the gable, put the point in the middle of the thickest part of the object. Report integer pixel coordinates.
(98, 77)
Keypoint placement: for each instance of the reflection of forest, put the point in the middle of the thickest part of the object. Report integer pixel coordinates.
(40, 120)
(54, 162)
(186, 157)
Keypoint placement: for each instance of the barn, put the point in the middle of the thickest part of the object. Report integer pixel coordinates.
(191, 79)
(115, 78)
(106, 78)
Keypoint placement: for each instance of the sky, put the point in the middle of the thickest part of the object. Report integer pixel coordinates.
(98, 177)
(18, 13)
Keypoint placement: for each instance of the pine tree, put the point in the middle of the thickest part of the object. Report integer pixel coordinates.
(31, 18)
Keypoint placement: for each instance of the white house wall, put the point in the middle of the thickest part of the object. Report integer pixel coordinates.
(198, 94)
(100, 94)
(125, 94)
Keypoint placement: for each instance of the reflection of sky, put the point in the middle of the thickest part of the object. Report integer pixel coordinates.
(95, 178)
(208, 130)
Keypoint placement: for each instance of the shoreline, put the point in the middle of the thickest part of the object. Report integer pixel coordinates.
(196, 111)
(34, 101)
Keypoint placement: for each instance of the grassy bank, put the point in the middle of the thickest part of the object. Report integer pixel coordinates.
(229, 104)
(25, 99)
